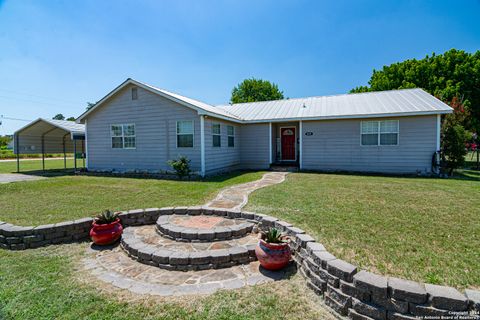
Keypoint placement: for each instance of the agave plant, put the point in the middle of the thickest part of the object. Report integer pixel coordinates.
(106, 217)
(273, 235)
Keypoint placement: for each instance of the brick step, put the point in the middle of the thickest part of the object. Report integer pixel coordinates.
(148, 247)
(202, 228)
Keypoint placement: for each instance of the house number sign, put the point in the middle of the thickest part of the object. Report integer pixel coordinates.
(309, 133)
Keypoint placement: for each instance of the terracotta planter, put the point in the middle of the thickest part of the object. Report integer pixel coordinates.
(105, 234)
(273, 256)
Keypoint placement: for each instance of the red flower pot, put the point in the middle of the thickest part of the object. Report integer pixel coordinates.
(273, 256)
(104, 234)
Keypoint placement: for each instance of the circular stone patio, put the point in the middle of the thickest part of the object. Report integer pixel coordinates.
(115, 267)
(150, 256)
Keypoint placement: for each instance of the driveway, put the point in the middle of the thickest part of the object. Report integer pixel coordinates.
(14, 177)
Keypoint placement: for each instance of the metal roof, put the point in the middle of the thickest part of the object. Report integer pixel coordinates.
(41, 125)
(359, 105)
(200, 107)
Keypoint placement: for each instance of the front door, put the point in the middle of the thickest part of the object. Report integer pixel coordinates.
(288, 143)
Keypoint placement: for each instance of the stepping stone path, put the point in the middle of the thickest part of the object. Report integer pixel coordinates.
(195, 253)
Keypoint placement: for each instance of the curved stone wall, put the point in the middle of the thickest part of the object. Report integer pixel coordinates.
(349, 291)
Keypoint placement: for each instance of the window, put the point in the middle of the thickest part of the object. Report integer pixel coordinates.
(216, 137)
(184, 134)
(231, 136)
(123, 136)
(134, 93)
(383, 133)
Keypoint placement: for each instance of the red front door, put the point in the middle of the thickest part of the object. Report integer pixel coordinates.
(288, 143)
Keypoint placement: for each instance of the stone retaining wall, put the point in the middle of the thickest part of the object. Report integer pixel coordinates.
(350, 292)
(19, 238)
(362, 295)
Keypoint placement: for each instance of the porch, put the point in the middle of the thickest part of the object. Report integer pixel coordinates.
(285, 144)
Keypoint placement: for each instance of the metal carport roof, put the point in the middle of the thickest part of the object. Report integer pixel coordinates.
(48, 136)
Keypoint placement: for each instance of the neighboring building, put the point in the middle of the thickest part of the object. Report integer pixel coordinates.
(141, 127)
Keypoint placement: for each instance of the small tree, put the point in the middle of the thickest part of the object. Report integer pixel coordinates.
(251, 90)
(59, 117)
(181, 166)
(71, 119)
(454, 151)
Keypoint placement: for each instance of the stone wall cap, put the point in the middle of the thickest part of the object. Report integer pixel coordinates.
(371, 282)
(447, 298)
(407, 290)
(341, 269)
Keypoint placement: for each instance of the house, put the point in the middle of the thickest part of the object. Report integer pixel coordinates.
(140, 127)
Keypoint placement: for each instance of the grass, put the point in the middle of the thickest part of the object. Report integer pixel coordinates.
(42, 284)
(64, 198)
(29, 166)
(422, 229)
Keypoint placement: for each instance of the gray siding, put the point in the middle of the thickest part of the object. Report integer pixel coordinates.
(155, 125)
(254, 153)
(335, 145)
(221, 158)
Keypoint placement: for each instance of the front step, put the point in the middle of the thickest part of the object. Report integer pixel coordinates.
(148, 247)
(202, 228)
(284, 168)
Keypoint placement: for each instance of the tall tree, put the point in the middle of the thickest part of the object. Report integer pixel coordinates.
(59, 117)
(251, 90)
(454, 74)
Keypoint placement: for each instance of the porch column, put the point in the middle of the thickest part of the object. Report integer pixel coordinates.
(64, 155)
(270, 153)
(43, 153)
(86, 145)
(75, 154)
(300, 143)
(16, 146)
(202, 145)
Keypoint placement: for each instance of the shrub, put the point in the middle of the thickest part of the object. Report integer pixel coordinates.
(181, 166)
(106, 217)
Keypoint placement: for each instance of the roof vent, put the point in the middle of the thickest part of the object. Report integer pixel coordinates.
(304, 105)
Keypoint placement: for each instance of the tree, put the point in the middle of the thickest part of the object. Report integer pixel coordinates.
(251, 90)
(90, 105)
(453, 74)
(4, 141)
(71, 119)
(453, 148)
(59, 117)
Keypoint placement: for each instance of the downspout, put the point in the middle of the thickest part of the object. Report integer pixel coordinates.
(202, 145)
(270, 143)
(300, 142)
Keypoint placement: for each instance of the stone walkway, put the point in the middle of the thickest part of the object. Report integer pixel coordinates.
(114, 266)
(236, 197)
(15, 177)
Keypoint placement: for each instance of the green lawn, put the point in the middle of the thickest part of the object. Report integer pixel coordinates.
(43, 284)
(36, 165)
(422, 229)
(62, 198)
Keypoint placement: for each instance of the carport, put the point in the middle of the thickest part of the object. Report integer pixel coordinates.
(44, 136)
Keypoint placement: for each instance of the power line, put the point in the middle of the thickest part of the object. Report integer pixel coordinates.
(16, 119)
(36, 101)
(36, 96)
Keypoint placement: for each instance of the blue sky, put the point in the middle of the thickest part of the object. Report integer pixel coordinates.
(57, 55)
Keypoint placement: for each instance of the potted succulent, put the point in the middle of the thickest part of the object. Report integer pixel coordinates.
(272, 250)
(106, 228)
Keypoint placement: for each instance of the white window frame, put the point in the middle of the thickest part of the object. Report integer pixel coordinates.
(219, 134)
(177, 134)
(123, 135)
(231, 136)
(379, 133)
